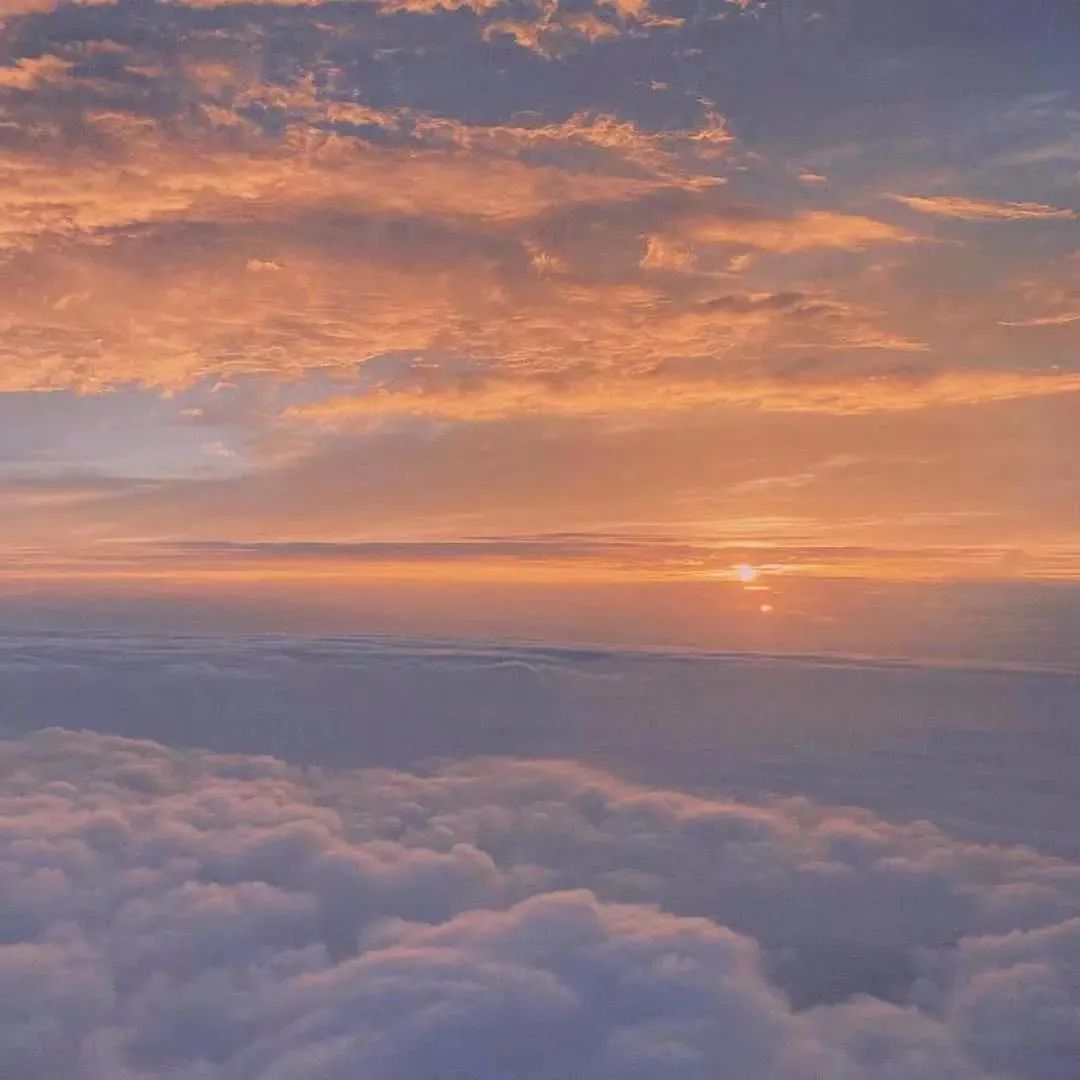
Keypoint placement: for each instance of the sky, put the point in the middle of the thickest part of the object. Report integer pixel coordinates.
(539, 539)
(537, 293)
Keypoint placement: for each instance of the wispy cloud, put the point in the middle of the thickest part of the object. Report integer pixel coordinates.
(968, 209)
(660, 390)
(1064, 319)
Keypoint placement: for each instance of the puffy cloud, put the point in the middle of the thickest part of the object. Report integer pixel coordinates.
(179, 914)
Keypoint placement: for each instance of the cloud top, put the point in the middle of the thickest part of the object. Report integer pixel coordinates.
(184, 915)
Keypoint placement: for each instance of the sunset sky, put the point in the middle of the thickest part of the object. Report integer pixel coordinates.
(544, 292)
(539, 539)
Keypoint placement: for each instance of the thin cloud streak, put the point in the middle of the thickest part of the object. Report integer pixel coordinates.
(968, 209)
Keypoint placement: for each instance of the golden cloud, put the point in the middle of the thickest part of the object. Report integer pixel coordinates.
(659, 391)
(130, 170)
(803, 231)
(31, 72)
(317, 248)
(967, 209)
(541, 26)
(168, 306)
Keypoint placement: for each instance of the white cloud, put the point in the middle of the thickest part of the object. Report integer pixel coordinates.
(179, 914)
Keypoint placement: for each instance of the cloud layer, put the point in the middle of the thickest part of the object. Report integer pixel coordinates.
(177, 914)
(321, 214)
(841, 730)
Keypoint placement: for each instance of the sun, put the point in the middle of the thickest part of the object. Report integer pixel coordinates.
(746, 573)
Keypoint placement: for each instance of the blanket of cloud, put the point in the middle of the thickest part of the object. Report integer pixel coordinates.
(170, 913)
(989, 754)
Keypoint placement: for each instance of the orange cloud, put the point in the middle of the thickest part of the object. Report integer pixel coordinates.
(663, 253)
(315, 248)
(338, 292)
(805, 231)
(312, 266)
(541, 26)
(789, 235)
(1064, 319)
(223, 166)
(957, 206)
(30, 72)
(328, 248)
(159, 180)
(657, 391)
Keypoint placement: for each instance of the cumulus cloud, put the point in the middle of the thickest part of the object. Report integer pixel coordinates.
(178, 914)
